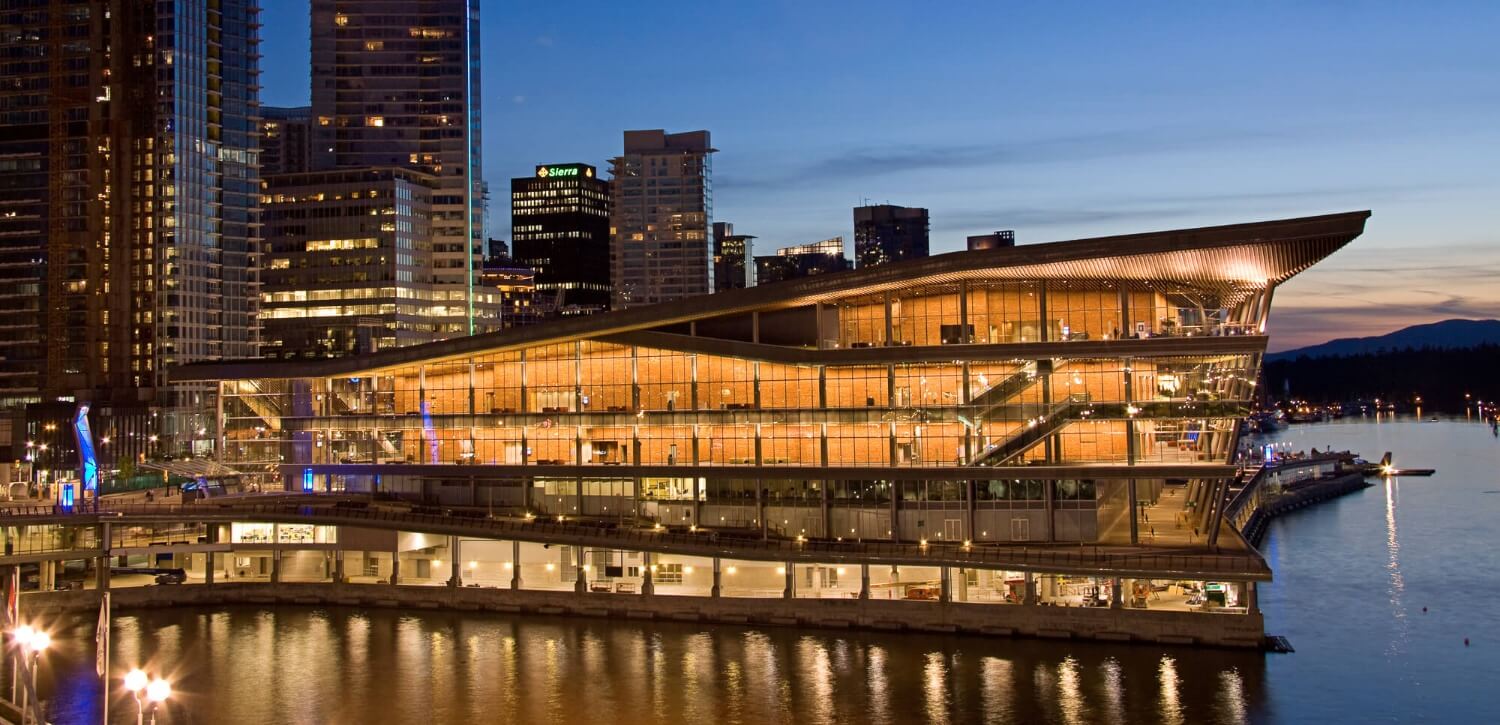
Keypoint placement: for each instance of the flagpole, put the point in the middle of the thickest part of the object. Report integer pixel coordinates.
(102, 660)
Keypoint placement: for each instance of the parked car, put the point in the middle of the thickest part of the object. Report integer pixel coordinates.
(172, 576)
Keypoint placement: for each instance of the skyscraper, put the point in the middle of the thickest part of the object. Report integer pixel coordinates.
(734, 258)
(660, 215)
(285, 140)
(396, 83)
(348, 263)
(128, 207)
(559, 226)
(888, 233)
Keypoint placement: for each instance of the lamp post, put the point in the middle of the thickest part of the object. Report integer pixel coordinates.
(32, 642)
(157, 692)
(147, 691)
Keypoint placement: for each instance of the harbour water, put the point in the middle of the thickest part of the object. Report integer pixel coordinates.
(1353, 577)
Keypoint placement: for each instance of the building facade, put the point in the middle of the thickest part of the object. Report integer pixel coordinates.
(285, 140)
(886, 233)
(348, 264)
(395, 83)
(802, 260)
(734, 258)
(515, 287)
(1006, 238)
(660, 217)
(128, 207)
(1034, 394)
(560, 229)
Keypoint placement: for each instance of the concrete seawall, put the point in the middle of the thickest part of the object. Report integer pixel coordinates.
(1314, 493)
(1113, 625)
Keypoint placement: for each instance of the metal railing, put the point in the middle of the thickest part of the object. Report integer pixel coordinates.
(1059, 558)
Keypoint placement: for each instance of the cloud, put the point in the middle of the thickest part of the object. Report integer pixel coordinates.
(518, 100)
(546, 41)
(904, 158)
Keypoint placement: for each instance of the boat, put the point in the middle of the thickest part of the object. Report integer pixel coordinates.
(1386, 469)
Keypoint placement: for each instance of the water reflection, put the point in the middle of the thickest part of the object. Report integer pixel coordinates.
(1397, 586)
(1171, 701)
(344, 666)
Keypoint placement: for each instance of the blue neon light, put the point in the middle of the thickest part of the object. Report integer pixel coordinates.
(88, 463)
(307, 480)
(432, 441)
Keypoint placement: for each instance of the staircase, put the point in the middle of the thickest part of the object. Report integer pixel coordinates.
(267, 407)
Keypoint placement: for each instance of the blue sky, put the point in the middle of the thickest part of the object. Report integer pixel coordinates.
(1059, 120)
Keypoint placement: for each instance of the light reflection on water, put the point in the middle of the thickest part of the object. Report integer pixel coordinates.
(1349, 593)
(338, 665)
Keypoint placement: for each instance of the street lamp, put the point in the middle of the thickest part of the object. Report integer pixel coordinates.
(155, 691)
(33, 642)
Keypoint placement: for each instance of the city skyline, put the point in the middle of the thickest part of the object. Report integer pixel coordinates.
(1058, 125)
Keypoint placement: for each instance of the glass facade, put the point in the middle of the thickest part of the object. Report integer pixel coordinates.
(1073, 392)
(396, 84)
(595, 428)
(131, 223)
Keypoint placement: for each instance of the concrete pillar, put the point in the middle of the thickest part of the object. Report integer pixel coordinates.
(101, 564)
(338, 566)
(515, 565)
(1135, 527)
(864, 581)
(455, 555)
(945, 584)
(790, 589)
(1116, 597)
(395, 566)
(961, 586)
(210, 558)
(581, 582)
(648, 584)
(717, 589)
(1252, 598)
(1031, 597)
(276, 566)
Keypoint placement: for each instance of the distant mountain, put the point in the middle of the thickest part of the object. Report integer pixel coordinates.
(1448, 334)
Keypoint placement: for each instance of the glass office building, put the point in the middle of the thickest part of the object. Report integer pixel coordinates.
(1043, 393)
(129, 213)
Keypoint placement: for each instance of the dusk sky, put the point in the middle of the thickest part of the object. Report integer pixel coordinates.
(1058, 120)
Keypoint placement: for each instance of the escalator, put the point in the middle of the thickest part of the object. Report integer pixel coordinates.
(1056, 417)
(985, 403)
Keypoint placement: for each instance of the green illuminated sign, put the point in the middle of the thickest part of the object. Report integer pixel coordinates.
(564, 172)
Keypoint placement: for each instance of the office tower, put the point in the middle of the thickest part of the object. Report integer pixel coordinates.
(662, 209)
(802, 260)
(396, 83)
(887, 233)
(495, 249)
(1006, 238)
(285, 140)
(734, 258)
(348, 263)
(128, 209)
(559, 227)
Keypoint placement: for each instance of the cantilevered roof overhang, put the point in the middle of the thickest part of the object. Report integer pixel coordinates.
(1230, 261)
